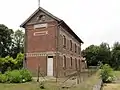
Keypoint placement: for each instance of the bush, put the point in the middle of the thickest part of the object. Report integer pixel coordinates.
(107, 74)
(8, 63)
(14, 76)
(26, 75)
(18, 76)
(3, 78)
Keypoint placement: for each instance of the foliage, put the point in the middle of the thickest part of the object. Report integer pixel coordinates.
(115, 61)
(95, 54)
(8, 63)
(16, 76)
(107, 73)
(26, 75)
(104, 53)
(5, 40)
(19, 60)
(91, 54)
(11, 43)
(3, 78)
(17, 43)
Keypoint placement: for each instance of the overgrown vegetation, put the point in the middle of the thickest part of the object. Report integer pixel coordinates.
(103, 53)
(16, 76)
(8, 63)
(107, 74)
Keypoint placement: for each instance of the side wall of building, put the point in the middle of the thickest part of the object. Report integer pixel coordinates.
(69, 54)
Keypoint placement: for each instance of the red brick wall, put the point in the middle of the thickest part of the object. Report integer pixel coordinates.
(33, 62)
(41, 43)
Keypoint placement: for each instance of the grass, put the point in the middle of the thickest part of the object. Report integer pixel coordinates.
(111, 87)
(117, 74)
(51, 85)
(89, 83)
(27, 86)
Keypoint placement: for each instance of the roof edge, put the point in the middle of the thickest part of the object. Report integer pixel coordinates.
(43, 10)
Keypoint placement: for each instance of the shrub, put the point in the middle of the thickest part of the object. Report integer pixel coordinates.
(26, 75)
(18, 76)
(14, 76)
(3, 78)
(107, 74)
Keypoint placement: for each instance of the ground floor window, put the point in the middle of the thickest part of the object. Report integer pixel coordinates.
(76, 63)
(64, 61)
(70, 62)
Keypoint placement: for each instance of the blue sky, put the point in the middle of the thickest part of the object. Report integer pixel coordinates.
(94, 21)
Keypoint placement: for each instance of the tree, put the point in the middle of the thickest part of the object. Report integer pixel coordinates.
(104, 53)
(115, 62)
(5, 40)
(18, 43)
(8, 63)
(91, 54)
(95, 54)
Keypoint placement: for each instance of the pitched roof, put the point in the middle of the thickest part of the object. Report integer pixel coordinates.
(43, 10)
(54, 17)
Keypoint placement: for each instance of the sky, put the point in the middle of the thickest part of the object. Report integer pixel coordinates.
(94, 21)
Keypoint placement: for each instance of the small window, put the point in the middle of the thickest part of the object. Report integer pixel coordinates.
(64, 62)
(76, 63)
(70, 62)
(42, 17)
(64, 41)
(70, 45)
(79, 50)
(75, 48)
(79, 64)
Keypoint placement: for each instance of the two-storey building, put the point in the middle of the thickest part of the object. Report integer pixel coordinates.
(51, 44)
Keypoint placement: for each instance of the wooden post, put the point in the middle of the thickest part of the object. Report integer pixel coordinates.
(38, 73)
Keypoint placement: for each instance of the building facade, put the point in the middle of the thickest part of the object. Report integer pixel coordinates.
(51, 45)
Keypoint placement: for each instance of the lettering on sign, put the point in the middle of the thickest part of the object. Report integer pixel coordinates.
(40, 33)
(45, 25)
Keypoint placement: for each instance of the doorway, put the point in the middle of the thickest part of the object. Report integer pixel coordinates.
(50, 66)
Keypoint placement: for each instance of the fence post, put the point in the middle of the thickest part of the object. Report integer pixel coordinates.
(38, 73)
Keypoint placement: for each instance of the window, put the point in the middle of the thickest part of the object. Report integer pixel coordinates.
(64, 62)
(42, 17)
(79, 50)
(70, 45)
(64, 41)
(76, 63)
(79, 64)
(75, 48)
(70, 62)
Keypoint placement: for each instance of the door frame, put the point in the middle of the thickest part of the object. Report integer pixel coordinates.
(52, 64)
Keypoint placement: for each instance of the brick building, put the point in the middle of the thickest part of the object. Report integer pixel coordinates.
(51, 44)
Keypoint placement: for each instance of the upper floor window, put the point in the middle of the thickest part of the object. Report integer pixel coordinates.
(70, 45)
(75, 48)
(79, 50)
(64, 41)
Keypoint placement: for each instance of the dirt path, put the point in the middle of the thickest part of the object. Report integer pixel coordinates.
(113, 86)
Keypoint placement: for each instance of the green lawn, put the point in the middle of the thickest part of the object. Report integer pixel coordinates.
(27, 86)
(51, 85)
